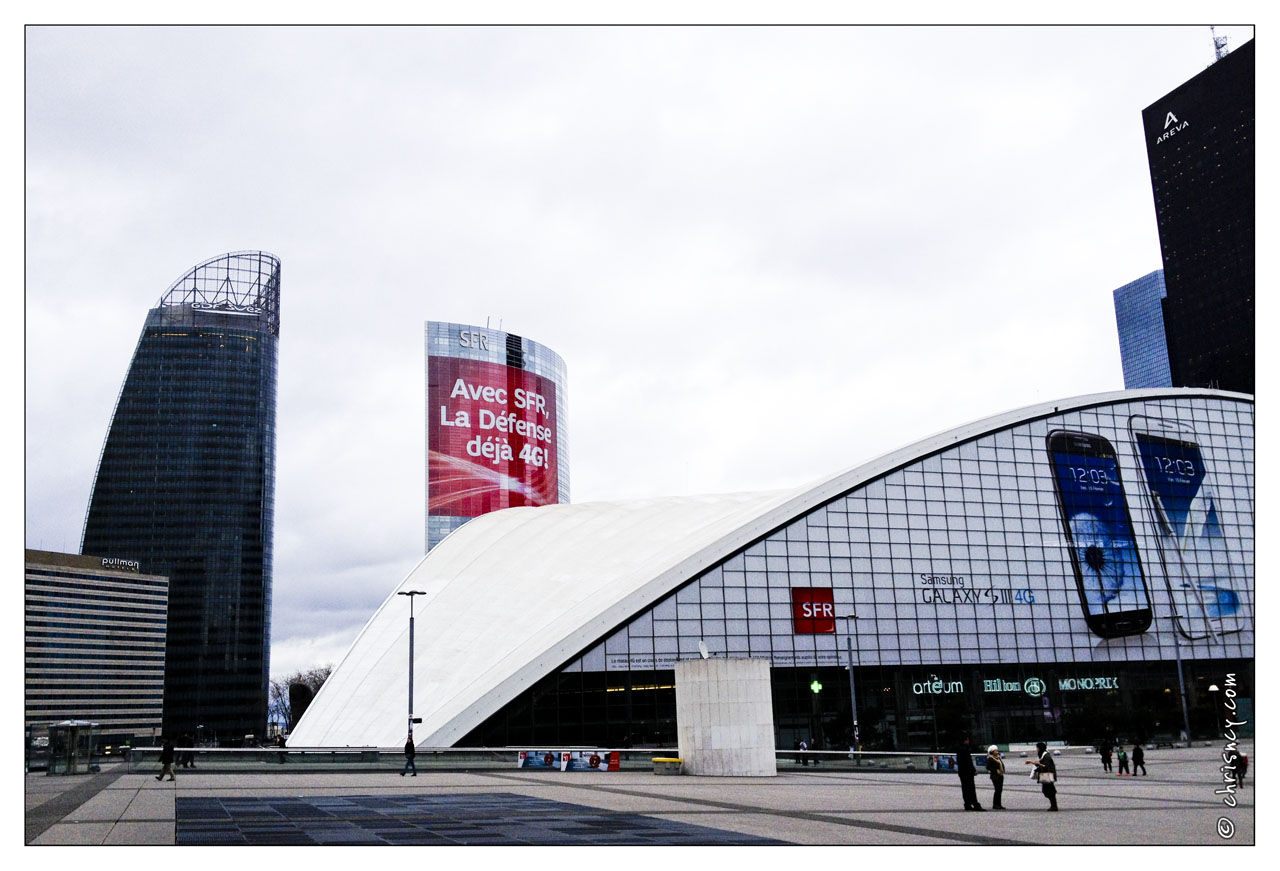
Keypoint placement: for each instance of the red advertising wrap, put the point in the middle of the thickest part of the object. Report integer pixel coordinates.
(491, 438)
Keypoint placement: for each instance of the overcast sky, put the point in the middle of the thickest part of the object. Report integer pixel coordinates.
(764, 254)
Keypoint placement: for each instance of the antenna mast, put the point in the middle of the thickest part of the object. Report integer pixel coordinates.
(1219, 45)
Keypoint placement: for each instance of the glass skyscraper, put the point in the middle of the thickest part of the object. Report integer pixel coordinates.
(1140, 323)
(186, 486)
(1200, 149)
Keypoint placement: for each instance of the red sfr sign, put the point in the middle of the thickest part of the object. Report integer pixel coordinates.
(813, 610)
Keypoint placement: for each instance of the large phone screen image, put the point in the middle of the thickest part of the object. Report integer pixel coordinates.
(1198, 562)
(1100, 534)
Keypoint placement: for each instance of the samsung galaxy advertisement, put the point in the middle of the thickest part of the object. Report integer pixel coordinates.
(1202, 569)
(1100, 536)
(1121, 532)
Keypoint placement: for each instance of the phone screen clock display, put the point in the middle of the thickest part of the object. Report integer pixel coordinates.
(1099, 534)
(1199, 567)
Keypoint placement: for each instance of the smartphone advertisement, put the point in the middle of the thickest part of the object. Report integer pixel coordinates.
(1200, 570)
(1099, 532)
(491, 438)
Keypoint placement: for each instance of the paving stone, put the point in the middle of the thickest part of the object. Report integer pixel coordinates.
(468, 818)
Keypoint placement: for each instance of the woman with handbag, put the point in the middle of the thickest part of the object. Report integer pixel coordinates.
(1046, 774)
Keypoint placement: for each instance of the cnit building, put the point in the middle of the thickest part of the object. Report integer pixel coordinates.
(1038, 574)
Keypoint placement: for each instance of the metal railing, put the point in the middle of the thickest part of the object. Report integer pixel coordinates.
(318, 759)
(240, 760)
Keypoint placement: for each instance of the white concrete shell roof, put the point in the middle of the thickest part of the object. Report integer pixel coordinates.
(512, 596)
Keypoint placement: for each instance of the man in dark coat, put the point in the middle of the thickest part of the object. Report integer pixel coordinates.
(166, 760)
(964, 766)
(409, 752)
(1137, 760)
(1105, 752)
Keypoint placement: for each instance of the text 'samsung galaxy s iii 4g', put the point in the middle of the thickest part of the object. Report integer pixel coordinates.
(1099, 532)
(1183, 506)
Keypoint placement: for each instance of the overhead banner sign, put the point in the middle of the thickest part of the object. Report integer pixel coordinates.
(491, 438)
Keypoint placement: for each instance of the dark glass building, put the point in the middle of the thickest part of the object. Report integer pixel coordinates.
(186, 486)
(1140, 324)
(1200, 143)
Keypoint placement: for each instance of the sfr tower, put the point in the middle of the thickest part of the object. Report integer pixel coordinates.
(497, 434)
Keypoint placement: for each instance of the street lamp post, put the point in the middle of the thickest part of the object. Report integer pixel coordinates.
(411, 594)
(1182, 687)
(853, 699)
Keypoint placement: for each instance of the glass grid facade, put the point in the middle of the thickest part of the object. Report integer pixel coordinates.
(450, 341)
(960, 575)
(95, 642)
(1140, 324)
(186, 486)
(1200, 150)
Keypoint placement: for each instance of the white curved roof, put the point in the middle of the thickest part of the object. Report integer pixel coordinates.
(513, 595)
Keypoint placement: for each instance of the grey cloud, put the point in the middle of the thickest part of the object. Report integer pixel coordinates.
(765, 254)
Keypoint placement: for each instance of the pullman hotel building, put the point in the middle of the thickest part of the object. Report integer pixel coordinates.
(95, 637)
(1034, 575)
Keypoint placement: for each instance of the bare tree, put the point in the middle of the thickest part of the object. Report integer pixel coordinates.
(282, 695)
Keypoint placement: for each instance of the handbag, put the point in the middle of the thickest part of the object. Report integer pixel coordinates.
(1046, 777)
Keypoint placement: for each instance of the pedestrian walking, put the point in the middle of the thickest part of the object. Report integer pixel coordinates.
(1242, 765)
(1105, 752)
(967, 772)
(281, 743)
(409, 752)
(166, 760)
(1046, 774)
(1123, 759)
(1138, 756)
(804, 756)
(995, 769)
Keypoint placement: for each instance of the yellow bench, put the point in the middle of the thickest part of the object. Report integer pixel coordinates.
(666, 765)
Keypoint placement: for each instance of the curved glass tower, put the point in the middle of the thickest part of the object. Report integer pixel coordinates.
(186, 486)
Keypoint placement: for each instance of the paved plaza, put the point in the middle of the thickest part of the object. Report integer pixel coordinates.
(825, 804)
